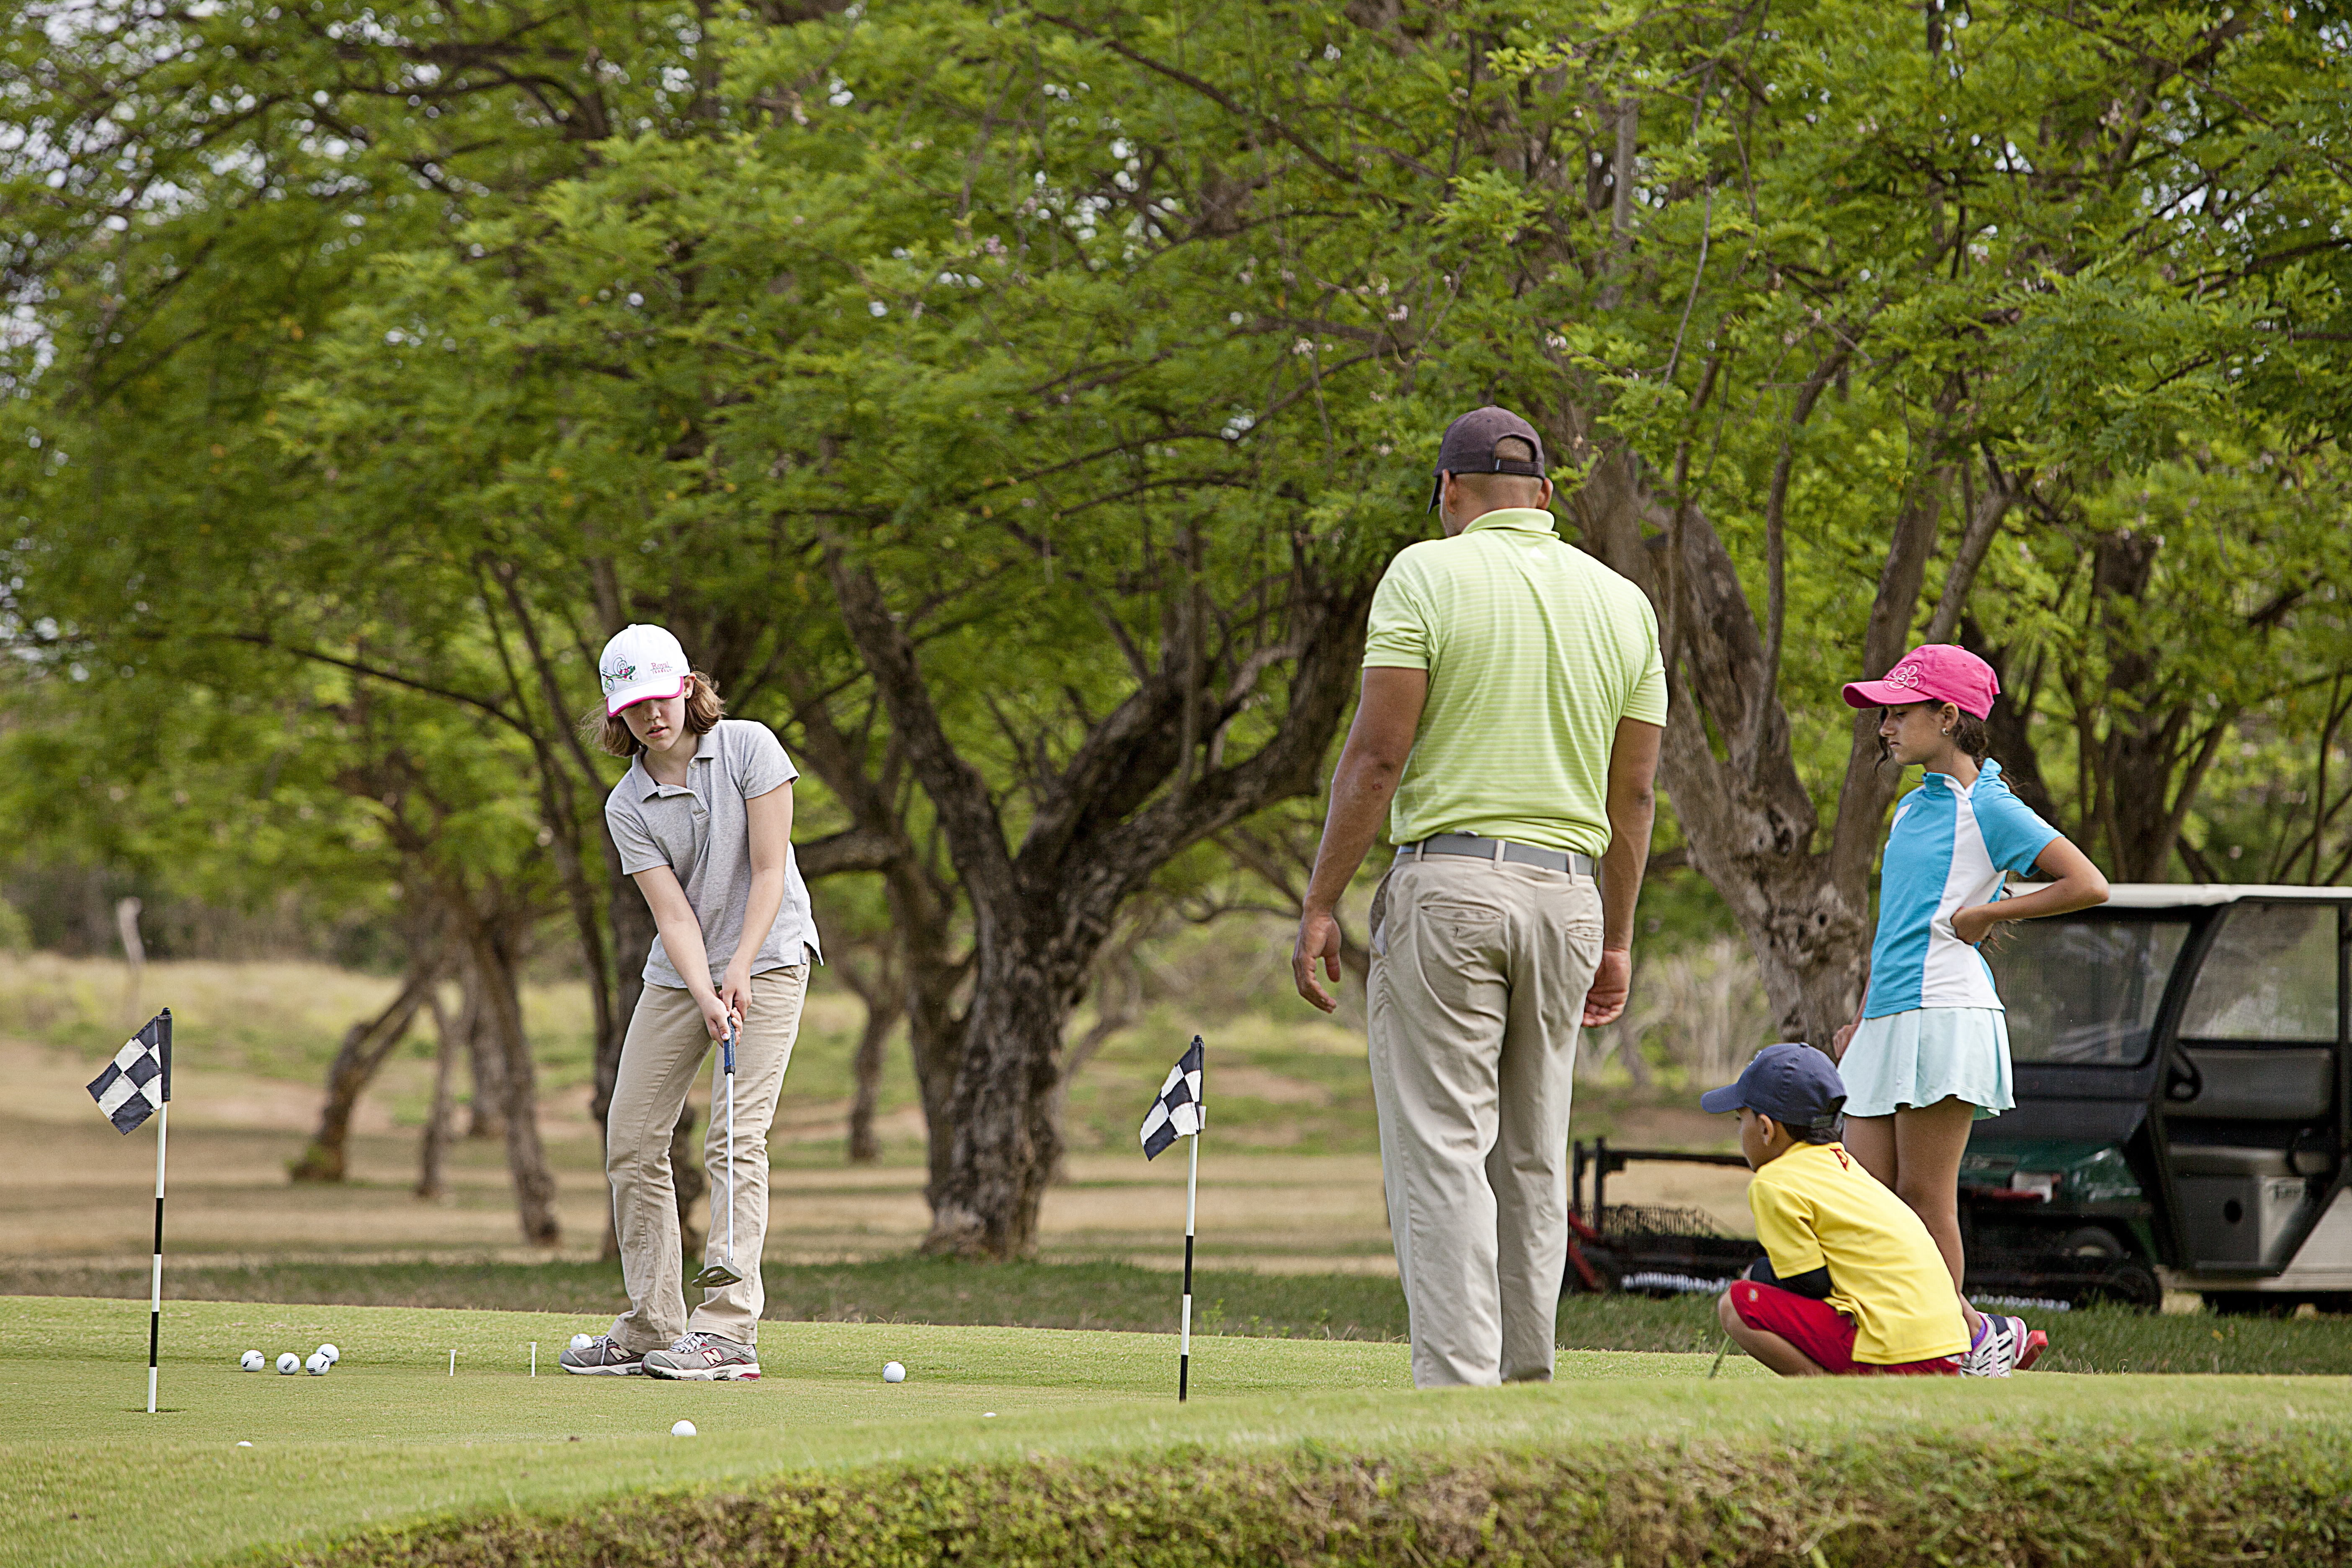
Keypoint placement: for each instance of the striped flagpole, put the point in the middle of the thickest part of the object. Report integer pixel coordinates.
(1184, 1332)
(156, 1285)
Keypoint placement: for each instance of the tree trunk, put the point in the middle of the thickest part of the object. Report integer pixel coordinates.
(440, 1121)
(1727, 760)
(922, 910)
(885, 997)
(1148, 779)
(1007, 1138)
(491, 960)
(922, 904)
(365, 1046)
(485, 1112)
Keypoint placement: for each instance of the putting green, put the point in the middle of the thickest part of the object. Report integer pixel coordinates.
(390, 1435)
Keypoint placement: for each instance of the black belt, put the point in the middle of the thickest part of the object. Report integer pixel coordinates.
(1500, 850)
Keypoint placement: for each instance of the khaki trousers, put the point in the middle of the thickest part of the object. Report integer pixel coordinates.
(1479, 972)
(660, 1059)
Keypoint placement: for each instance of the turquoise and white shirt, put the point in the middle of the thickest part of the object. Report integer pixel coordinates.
(1949, 847)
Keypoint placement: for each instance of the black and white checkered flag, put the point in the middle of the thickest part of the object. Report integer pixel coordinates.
(1177, 1112)
(139, 1079)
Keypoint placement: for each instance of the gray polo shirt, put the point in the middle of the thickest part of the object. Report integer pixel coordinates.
(700, 831)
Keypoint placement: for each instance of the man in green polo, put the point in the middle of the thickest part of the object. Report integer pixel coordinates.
(1513, 702)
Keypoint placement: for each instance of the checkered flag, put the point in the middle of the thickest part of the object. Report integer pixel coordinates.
(139, 1079)
(1177, 1112)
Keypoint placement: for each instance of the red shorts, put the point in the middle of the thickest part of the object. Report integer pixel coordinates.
(1822, 1334)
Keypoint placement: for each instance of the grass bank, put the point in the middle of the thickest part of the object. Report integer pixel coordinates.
(1948, 1499)
(1064, 1447)
(1121, 1297)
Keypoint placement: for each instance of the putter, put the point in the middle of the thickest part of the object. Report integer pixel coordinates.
(718, 1275)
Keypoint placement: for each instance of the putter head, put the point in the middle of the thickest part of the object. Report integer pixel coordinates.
(716, 1276)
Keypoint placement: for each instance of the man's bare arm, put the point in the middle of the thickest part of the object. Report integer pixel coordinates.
(1388, 715)
(1632, 809)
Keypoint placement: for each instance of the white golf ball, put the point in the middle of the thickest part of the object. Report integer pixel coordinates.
(582, 1341)
(317, 1364)
(253, 1361)
(893, 1373)
(683, 1429)
(330, 1353)
(289, 1363)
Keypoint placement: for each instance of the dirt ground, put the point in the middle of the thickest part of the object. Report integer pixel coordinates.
(73, 1189)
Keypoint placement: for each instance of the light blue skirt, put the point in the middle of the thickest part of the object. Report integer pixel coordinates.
(1927, 1055)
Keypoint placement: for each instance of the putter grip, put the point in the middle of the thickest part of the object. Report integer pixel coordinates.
(727, 1049)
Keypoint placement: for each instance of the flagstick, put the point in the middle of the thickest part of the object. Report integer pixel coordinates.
(155, 1287)
(1184, 1332)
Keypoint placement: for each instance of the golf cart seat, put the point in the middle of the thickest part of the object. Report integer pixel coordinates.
(2229, 1160)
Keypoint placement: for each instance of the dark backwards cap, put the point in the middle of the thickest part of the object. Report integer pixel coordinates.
(1793, 1084)
(1474, 445)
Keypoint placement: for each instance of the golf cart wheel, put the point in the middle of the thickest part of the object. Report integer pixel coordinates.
(2093, 1241)
(1608, 1274)
(2251, 1303)
(2130, 1284)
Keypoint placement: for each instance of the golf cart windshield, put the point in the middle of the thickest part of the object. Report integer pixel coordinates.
(2082, 990)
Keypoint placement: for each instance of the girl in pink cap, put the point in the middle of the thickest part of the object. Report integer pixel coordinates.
(1928, 1053)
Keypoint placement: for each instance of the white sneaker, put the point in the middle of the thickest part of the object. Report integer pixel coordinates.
(2003, 1345)
(601, 1357)
(705, 1358)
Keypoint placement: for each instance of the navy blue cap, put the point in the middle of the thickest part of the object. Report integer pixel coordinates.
(1792, 1083)
(1474, 445)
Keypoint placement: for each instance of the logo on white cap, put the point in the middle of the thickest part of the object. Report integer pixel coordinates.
(640, 664)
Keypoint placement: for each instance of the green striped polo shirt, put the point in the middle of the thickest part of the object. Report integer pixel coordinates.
(1535, 651)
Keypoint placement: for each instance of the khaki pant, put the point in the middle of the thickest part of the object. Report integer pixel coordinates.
(664, 1053)
(1479, 972)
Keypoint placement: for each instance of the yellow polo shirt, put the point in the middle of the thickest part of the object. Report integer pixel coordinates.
(1816, 1205)
(1535, 650)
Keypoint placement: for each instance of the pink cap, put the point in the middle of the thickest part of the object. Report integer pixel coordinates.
(1932, 672)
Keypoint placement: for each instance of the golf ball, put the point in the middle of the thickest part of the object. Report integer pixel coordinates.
(683, 1429)
(893, 1373)
(317, 1364)
(289, 1363)
(253, 1361)
(330, 1353)
(582, 1341)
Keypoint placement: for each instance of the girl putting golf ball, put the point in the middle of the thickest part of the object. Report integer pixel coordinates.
(703, 823)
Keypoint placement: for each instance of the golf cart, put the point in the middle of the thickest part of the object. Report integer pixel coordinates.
(2184, 1107)
(2183, 1061)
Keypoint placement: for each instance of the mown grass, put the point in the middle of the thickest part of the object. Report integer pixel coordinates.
(1121, 1297)
(999, 1432)
(1890, 1499)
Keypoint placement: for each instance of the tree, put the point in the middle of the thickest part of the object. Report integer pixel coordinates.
(1017, 407)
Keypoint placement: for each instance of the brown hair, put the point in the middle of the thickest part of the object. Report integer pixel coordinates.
(1969, 733)
(609, 733)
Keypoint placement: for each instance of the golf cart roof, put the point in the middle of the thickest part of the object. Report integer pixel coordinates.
(2203, 895)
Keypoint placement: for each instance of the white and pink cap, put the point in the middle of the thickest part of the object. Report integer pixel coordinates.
(1932, 672)
(641, 664)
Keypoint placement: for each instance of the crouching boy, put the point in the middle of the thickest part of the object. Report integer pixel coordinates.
(1851, 1281)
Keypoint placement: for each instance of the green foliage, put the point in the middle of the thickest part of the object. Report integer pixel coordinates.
(361, 350)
